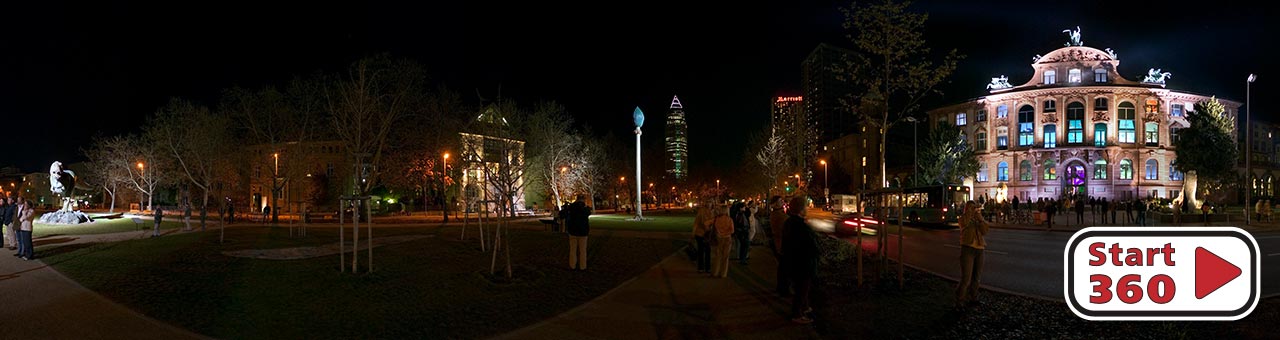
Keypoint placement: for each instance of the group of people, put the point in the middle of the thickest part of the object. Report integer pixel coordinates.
(1128, 211)
(718, 226)
(576, 217)
(16, 216)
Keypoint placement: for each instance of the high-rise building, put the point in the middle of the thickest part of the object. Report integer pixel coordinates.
(825, 83)
(790, 121)
(677, 141)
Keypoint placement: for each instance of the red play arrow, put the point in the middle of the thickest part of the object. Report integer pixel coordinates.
(1212, 272)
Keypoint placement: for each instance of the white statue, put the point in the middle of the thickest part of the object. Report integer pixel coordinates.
(1001, 82)
(1074, 37)
(1112, 53)
(1035, 59)
(1155, 76)
(62, 183)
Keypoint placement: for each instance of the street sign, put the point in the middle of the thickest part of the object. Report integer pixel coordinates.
(1162, 273)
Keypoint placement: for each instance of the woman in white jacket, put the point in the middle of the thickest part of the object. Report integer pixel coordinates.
(27, 215)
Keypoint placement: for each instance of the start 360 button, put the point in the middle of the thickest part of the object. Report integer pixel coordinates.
(1162, 273)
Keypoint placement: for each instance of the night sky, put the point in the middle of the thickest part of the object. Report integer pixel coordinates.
(75, 71)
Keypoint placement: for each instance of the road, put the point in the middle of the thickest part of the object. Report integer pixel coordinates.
(1027, 261)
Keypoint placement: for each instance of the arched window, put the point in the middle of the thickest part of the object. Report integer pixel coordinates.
(980, 143)
(1050, 105)
(1126, 113)
(1099, 75)
(1075, 123)
(1024, 170)
(1100, 134)
(982, 173)
(1152, 133)
(1050, 136)
(1153, 169)
(1002, 138)
(1126, 169)
(1073, 75)
(1026, 125)
(1100, 169)
(1002, 172)
(1174, 174)
(1050, 169)
(1050, 77)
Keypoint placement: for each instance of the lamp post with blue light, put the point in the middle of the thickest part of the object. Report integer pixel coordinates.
(638, 117)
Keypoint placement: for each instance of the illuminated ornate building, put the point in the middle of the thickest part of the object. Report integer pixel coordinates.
(677, 142)
(1076, 127)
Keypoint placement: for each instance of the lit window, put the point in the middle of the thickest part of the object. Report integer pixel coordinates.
(1050, 106)
(1126, 169)
(1050, 169)
(1153, 169)
(1050, 77)
(1024, 170)
(1026, 126)
(1099, 75)
(982, 173)
(1153, 106)
(1050, 136)
(1073, 75)
(981, 142)
(864, 160)
(1002, 172)
(1173, 134)
(1100, 169)
(1175, 110)
(1002, 138)
(1126, 114)
(1100, 134)
(982, 115)
(1152, 133)
(1075, 123)
(1002, 111)
(1174, 174)
(961, 119)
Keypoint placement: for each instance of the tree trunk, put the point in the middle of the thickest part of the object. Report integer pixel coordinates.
(204, 208)
(113, 201)
(510, 215)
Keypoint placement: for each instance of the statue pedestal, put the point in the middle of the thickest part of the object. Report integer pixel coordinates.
(65, 217)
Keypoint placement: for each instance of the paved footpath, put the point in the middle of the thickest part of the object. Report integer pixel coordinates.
(37, 302)
(673, 301)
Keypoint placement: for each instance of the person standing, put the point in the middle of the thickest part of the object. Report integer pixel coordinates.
(578, 227)
(1204, 212)
(186, 215)
(973, 243)
(1079, 206)
(17, 208)
(231, 211)
(26, 216)
(777, 228)
(753, 223)
(740, 231)
(1141, 210)
(1128, 212)
(801, 249)
(6, 223)
(701, 224)
(723, 226)
(159, 216)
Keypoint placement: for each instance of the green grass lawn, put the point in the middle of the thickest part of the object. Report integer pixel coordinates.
(435, 287)
(102, 226)
(657, 221)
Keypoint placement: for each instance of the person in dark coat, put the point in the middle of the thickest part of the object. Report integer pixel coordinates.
(159, 216)
(579, 227)
(6, 221)
(800, 245)
(741, 229)
(1079, 206)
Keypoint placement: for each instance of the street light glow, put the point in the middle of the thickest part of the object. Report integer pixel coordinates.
(139, 165)
(823, 162)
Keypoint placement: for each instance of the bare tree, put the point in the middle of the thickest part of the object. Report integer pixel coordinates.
(197, 141)
(103, 173)
(772, 158)
(552, 146)
(364, 106)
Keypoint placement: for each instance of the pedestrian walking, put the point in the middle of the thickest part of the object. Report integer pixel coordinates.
(579, 228)
(702, 223)
(973, 243)
(1079, 205)
(801, 248)
(723, 227)
(777, 228)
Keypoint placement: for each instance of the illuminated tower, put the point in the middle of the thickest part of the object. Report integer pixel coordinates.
(677, 142)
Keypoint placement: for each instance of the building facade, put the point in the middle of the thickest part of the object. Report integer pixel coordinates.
(824, 77)
(493, 162)
(790, 121)
(1077, 127)
(677, 142)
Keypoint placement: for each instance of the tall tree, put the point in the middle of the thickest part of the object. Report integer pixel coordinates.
(277, 126)
(1206, 149)
(772, 158)
(104, 172)
(552, 145)
(197, 141)
(894, 68)
(365, 105)
(947, 156)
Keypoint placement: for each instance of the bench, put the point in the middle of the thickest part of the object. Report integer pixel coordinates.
(137, 223)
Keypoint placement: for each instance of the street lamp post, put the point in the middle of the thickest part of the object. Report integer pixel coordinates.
(915, 148)
(1248, 142)
(638, 117)
(275, 190)
(826, 186)
(141, 173)
(444, 176)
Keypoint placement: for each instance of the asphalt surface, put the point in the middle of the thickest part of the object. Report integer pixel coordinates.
(1027, 261)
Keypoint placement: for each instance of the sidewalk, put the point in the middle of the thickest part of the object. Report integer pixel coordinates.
(40, 303)
(673, 301)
